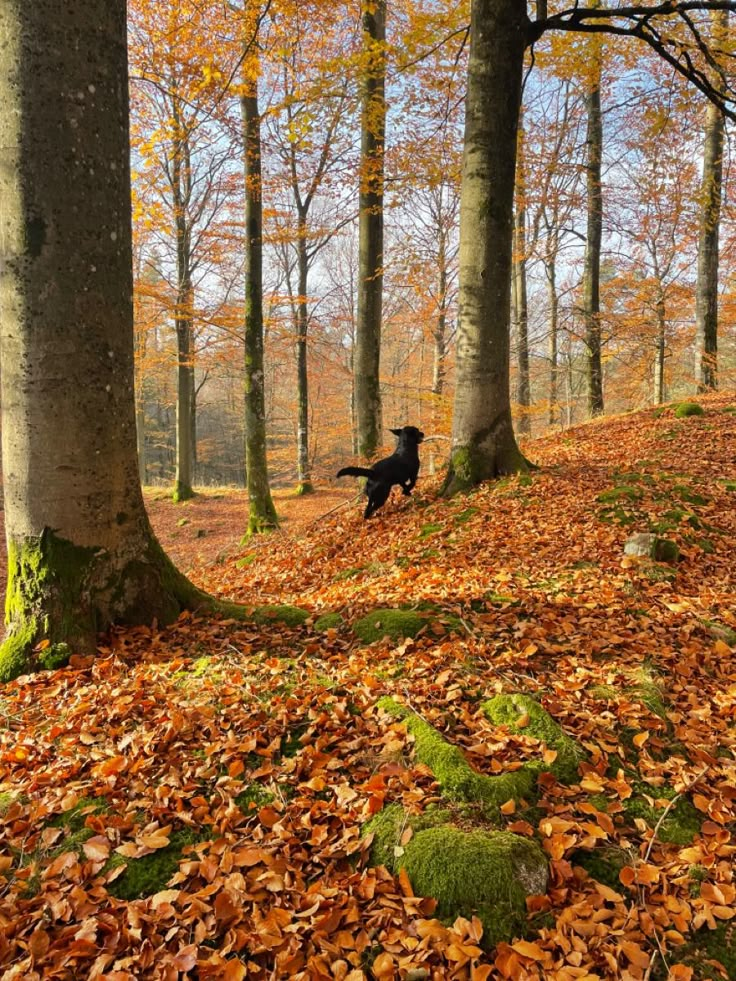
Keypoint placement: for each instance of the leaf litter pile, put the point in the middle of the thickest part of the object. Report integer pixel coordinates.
(192, 802)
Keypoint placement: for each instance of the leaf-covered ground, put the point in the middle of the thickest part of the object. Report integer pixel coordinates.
(189, 803)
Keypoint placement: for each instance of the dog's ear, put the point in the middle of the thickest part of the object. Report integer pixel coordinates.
(396, 432)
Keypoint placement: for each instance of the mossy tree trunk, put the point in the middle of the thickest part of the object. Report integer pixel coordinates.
(711, 192)
(483, 442)
(370, 231)
(81, 554)
(262, 513)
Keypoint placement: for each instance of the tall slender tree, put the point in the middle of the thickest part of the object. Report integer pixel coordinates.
(370, 255)
(711, 193)
(594, 234)
(81, 554)
(262, 513)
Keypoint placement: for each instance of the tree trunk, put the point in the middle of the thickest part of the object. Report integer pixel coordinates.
(81, 554)
(304, 483)
(706, 289)
(550, 267)
(659, 389)
(483, 443)
(592, 269)
(262, 513)
(370, 232)
(184, 395)
(521, 309)
(181, 189)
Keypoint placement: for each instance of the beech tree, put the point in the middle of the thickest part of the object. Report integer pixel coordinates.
(706, 291)
(262, 513)
(483, 441)
(81, 553)
(370, 251)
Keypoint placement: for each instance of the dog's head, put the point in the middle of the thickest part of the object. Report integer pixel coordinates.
(409, 434)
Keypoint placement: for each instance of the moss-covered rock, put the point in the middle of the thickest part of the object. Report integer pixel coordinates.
(486, 873)
(686, 409)
(483, 872)
(509, 710)
(396, 624)
(292, 616)
(647, 544)
(390, 824)
(458, 780)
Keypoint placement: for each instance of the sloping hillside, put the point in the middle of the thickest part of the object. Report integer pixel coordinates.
(229, 800)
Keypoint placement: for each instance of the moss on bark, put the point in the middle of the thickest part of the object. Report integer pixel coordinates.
(470, 465)
(60, 595)
(182, 492)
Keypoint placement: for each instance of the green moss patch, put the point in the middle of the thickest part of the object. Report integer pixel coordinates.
(151, 873)
(682, 823)
(389, 826)
(469, 872)
(508, 710)
(686, 409)
(396, 624)
(291, 616)
(625, 492)
(328, 621)
(603, 863)
(710, 953)
(253, 798)
(458, 780)
(486, 873)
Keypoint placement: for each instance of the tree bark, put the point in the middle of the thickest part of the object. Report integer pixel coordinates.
(370, 231)
(81, 554)
(711, 192)
(550, 268)
(592, 269)
(483, 442)
(181, 189)
(521, 308)
(262, 513)
(660, 348)
(304, 482)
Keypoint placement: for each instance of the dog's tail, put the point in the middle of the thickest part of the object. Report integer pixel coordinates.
(354, 472)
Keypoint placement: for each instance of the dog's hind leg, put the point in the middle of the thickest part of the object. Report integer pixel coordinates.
(377, 497)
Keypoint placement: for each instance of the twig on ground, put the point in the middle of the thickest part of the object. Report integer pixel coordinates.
(337, 507)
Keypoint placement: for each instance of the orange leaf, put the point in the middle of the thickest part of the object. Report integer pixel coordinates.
(383, 965)
(404, 882)
(97, 849)
(527, 949)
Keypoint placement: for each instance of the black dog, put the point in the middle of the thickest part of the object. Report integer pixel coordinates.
(400, 468)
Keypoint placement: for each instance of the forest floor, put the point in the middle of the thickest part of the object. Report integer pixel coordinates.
(190, 803)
